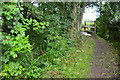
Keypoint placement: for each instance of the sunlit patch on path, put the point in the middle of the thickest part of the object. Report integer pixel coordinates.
(86, 34)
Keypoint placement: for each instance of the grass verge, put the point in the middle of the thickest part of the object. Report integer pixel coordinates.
(76, 64)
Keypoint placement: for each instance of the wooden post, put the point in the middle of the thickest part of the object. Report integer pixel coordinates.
(95, 28)
(84, 26)
(85, 23)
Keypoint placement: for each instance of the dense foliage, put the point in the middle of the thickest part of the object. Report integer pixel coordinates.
(109, 21)
(35, 37)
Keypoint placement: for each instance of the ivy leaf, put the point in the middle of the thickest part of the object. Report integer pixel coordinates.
(43, 27)
(39, 26)
(4, 59)
(21, 15)
(35, 28)
(14, 55)
(8, 18)
(12, 31)
(41, 23)
(21, 8)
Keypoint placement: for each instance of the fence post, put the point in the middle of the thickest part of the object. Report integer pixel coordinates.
(84, 26)
(94, 28)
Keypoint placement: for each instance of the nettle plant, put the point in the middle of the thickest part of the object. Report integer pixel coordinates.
(15, 41)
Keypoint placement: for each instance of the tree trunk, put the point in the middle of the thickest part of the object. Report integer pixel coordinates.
(80, 15)
(74, 14)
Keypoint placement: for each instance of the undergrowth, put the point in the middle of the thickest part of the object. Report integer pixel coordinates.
(39, 40)
(75, 64)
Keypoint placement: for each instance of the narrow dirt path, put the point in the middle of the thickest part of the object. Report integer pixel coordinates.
(104, 63)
